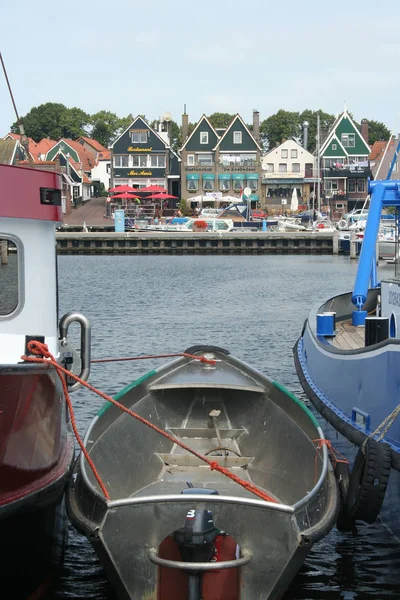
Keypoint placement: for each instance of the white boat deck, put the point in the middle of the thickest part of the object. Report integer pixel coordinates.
(348, 337)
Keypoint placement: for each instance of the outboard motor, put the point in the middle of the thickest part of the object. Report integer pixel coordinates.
(196, 540)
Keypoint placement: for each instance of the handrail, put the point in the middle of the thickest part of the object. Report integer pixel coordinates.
(200, 566)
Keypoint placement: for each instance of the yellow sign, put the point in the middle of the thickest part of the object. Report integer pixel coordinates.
(137, 149)
(139, 173)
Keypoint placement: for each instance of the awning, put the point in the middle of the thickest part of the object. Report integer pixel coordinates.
(208, 176)
(251, 175)
(192, 176)
(253, 196)
(238, 176)
(224, 176)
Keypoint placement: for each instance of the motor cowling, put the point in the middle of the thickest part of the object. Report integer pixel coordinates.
(196, 539)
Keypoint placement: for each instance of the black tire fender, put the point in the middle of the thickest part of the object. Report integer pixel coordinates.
(368, 482)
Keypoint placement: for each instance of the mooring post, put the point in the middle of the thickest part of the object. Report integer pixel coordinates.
(353, 245)
(4, 252)
(335, 242)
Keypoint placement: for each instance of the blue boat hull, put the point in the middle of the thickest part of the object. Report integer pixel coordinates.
(354, 391)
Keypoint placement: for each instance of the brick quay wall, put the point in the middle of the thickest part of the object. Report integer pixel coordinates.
(196, 243)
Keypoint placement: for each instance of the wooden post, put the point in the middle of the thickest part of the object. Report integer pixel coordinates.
(335, 242)
(353, 245)
(4, 252)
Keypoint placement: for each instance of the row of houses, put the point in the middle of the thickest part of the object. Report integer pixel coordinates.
(216, 163)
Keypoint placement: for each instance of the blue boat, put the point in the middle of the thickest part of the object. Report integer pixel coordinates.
(348, 361)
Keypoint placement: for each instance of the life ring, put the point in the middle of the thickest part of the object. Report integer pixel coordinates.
(321, 226)
(368, 482)
(342, 224)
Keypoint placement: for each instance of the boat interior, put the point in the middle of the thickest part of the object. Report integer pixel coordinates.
(251, 427)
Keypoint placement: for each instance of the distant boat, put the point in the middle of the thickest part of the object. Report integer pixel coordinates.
(173, 527)
(348, 362)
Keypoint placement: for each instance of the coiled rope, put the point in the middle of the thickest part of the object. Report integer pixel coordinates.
(42, 355)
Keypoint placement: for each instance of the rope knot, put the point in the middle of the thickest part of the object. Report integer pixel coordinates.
(214, 465)
(39, 349)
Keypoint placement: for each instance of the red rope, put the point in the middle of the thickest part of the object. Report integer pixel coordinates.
(200, 358)
(38, 348)
(335, 455)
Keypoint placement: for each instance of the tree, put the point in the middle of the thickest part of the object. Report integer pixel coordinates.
(377, 132)
(220, 120)
(281, 125)
(106, 126)
(54, 120)
(325, 122)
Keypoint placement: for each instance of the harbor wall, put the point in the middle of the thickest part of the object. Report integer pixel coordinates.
(198, 243)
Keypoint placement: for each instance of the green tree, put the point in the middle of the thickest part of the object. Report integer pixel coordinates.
(281, 125)
(377, 132)
(325, 123)
(106, 126)
(54, 120)
(220, 120)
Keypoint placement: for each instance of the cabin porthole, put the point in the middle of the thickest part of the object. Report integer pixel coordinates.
(392, 326)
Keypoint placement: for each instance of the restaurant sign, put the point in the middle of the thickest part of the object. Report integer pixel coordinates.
(137, 149)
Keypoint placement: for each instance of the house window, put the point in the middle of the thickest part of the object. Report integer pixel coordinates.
(237, 185)
(205, 159)
(270, 168)
(224, 185)
(361, 185)
(192, 185)
(334, 146)
(348, 140)
(203, 137)
(237, 137)
(330, 185)
(284, 153)
(295, 167)
(332, 162)
(248, 159)
(108, 168)
(283, 167)
(157, 161)
(139, 136)
(121, 161)
(351, 185)
(293, 153)
(9, 278)
(190, 160)
(76, 191)
(252, 184)
(208, 185)
(140, 160)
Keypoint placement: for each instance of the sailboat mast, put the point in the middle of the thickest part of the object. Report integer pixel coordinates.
(318, 166)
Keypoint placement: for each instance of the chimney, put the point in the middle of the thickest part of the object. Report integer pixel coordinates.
(185, 125)
(256, 124)
(305, 135)
(364, 129)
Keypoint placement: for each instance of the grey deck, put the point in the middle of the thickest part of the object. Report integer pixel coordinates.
(348, 337)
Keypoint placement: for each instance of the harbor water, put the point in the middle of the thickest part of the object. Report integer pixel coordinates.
(255, 307)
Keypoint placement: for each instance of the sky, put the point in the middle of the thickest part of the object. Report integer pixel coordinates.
(231, 56)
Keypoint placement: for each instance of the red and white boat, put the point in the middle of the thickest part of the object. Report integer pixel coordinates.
(36, 440)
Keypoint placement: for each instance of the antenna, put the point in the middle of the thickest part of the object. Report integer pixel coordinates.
(166, 117)
(24, 139)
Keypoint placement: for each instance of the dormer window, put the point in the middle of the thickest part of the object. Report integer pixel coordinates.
(348, 140)
(237, 137)
(139, 136)
(203, 137)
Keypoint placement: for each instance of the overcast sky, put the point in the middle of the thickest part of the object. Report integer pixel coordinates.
(212, 55)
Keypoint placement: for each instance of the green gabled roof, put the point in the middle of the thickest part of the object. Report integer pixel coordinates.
(193, 141)
(62, 146)
(249, 142)
(345, 124)
(332, 152)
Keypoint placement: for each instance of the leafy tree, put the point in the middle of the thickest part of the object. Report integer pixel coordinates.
(220, 120)
(325, 122)
(105, 126)
(281, 125)
(54, 120)
(377, 132)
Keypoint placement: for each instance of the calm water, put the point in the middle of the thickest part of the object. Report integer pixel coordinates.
(254, 306)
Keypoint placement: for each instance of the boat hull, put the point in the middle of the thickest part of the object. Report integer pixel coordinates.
(36, 456)
(270, 442)
(343, 387)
